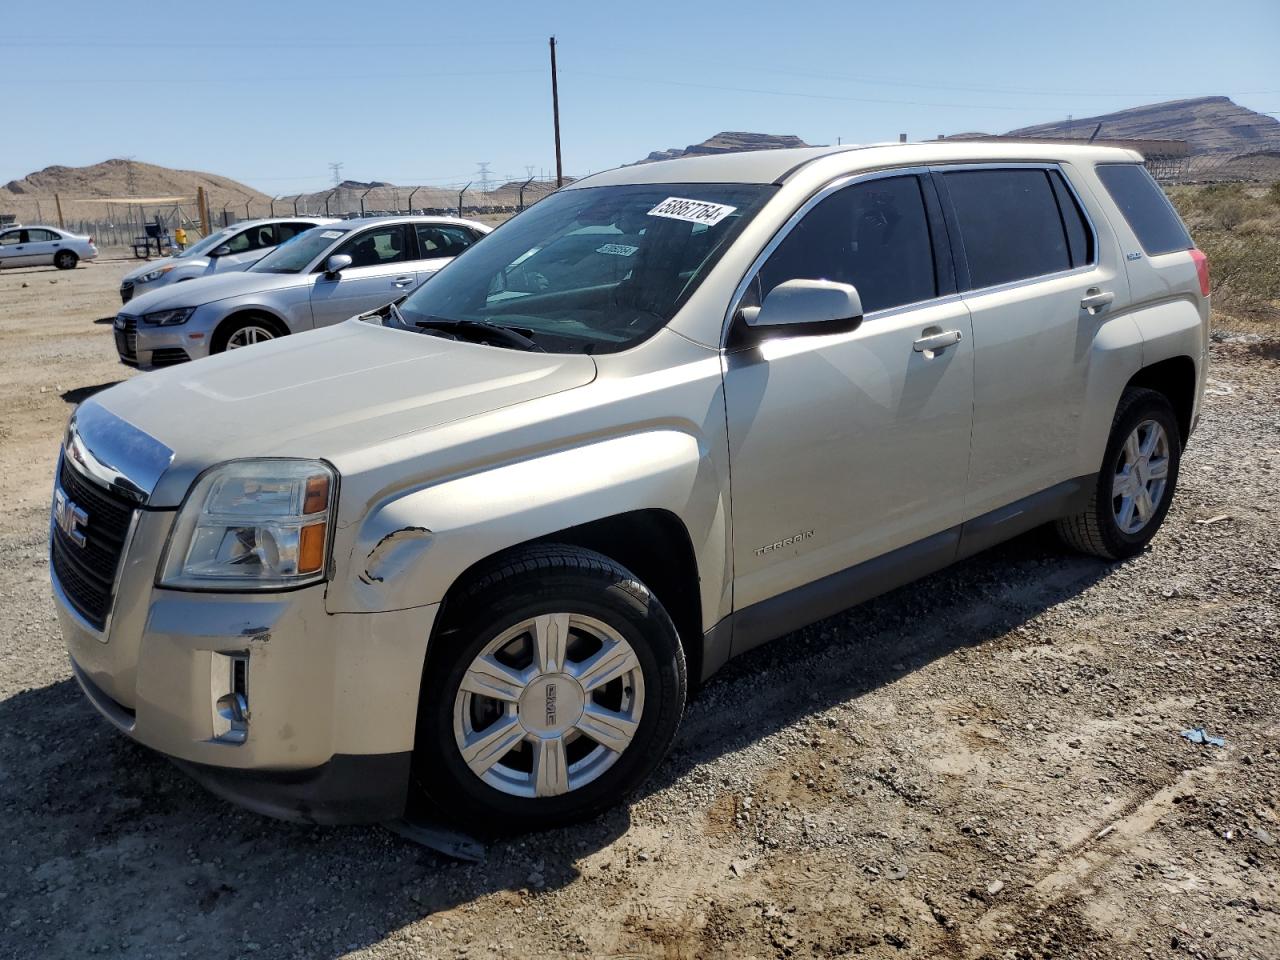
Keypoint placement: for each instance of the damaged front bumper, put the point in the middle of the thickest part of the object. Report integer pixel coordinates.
(270, 700)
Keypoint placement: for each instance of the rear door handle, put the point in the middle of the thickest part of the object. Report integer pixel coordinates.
(937, 341)
(1096, 299)
(402, 281)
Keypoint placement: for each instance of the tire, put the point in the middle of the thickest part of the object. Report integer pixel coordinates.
(243, 332)
(65, 260)
(601, 603)
(1100, 529)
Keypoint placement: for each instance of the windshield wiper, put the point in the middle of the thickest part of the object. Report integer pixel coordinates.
(473, 329)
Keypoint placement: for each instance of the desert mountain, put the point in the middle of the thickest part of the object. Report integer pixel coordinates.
(32, 196)
(729, 141)
(1208, 124)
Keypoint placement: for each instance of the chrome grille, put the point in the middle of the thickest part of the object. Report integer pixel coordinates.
(87, 573)
(126, 330)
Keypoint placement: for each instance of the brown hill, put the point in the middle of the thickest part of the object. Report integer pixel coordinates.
(1208, 124)
(80, 189)
(729, 141)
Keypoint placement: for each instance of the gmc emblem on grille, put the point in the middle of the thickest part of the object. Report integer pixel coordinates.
(69, 517)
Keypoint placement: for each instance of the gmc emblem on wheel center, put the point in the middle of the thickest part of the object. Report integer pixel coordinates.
(551, 704)
(69, 517)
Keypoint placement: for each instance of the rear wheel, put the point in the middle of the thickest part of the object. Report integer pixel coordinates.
(65, 260)
(1135, 487)
(554, 689)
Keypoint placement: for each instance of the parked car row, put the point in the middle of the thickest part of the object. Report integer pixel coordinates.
(474, 548)
(267, 279)
(34, 246)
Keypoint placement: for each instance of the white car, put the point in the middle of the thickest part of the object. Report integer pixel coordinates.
(320, 277)
(38, 246)
(232, 248)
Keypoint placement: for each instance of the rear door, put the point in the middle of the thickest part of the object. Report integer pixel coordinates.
(438, 243)
(381, 271)
(41, 246)
(1028, 260)
(849, 446)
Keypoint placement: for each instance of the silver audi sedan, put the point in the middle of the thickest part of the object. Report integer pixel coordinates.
(320, 277)
(232, 248)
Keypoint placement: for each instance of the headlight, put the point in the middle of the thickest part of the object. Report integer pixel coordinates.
(252, 525)
(154, 274)
(169, 318)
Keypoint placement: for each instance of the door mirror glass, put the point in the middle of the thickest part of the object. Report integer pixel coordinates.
(805, 306)
(336, 264)
(220, 251)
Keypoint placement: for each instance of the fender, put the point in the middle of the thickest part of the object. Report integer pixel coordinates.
(1115, 356)
(413, 546)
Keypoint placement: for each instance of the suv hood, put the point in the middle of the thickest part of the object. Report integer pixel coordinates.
(202, 290)
(325, 394)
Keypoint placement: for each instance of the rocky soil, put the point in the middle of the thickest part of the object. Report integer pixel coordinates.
(986, 764)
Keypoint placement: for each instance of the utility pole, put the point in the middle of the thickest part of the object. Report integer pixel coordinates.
(58, 200)
(555, 112)
(202, 202)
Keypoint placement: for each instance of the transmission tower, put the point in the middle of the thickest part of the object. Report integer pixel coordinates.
(336, 169)
(483, 175)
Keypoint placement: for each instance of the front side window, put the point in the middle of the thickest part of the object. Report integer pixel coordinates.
(297, 254)
(1009, 224)
(873, 235)
(373, 248)
(10, 238)
(593, 269)
(1148, 211)
(442, 240)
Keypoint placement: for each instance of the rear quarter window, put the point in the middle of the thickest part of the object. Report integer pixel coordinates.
(1145, 208)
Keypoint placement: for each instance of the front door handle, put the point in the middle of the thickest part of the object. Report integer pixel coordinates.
(402, 281)
(937, 341)
(1095, 300)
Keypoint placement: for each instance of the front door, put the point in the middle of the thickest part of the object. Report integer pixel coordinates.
(381, 271)
(846, 447)
(17, 248)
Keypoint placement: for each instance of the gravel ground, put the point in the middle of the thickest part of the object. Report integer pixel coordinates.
(985, 764)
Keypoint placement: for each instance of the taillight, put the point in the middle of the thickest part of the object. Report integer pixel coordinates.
(1202, 269)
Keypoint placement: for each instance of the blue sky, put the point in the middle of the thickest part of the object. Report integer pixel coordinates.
(270, 93)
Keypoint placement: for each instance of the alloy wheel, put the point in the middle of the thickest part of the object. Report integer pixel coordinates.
(248, 336)
(1142, 474)
(548, 705)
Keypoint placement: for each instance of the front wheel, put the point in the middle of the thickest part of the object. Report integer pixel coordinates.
(555, 689)
(1135, 486)
(244, 333)
(65, 260)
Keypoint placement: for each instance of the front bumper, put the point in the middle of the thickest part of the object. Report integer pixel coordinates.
(149, 348)
(332, 698)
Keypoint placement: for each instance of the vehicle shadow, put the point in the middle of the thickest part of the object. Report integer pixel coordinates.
(110, 844)
(79, 394)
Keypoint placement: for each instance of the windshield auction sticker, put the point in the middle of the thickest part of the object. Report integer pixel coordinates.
(617, 249)
(692, 211)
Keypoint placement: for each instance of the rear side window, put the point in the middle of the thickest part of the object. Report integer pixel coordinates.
(874, 235)
(1148, 211)
(1010, 224)
(1079, 234)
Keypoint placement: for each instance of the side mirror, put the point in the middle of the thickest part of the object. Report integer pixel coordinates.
(805, 307)
(336, 264)
(220, 251)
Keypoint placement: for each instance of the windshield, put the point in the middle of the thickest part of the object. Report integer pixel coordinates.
(592, 270)
(296, 253)
(214, 239)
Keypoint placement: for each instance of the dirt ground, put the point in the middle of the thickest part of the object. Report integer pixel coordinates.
(984, 764)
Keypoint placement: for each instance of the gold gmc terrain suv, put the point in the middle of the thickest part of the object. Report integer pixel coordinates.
(475, 547)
